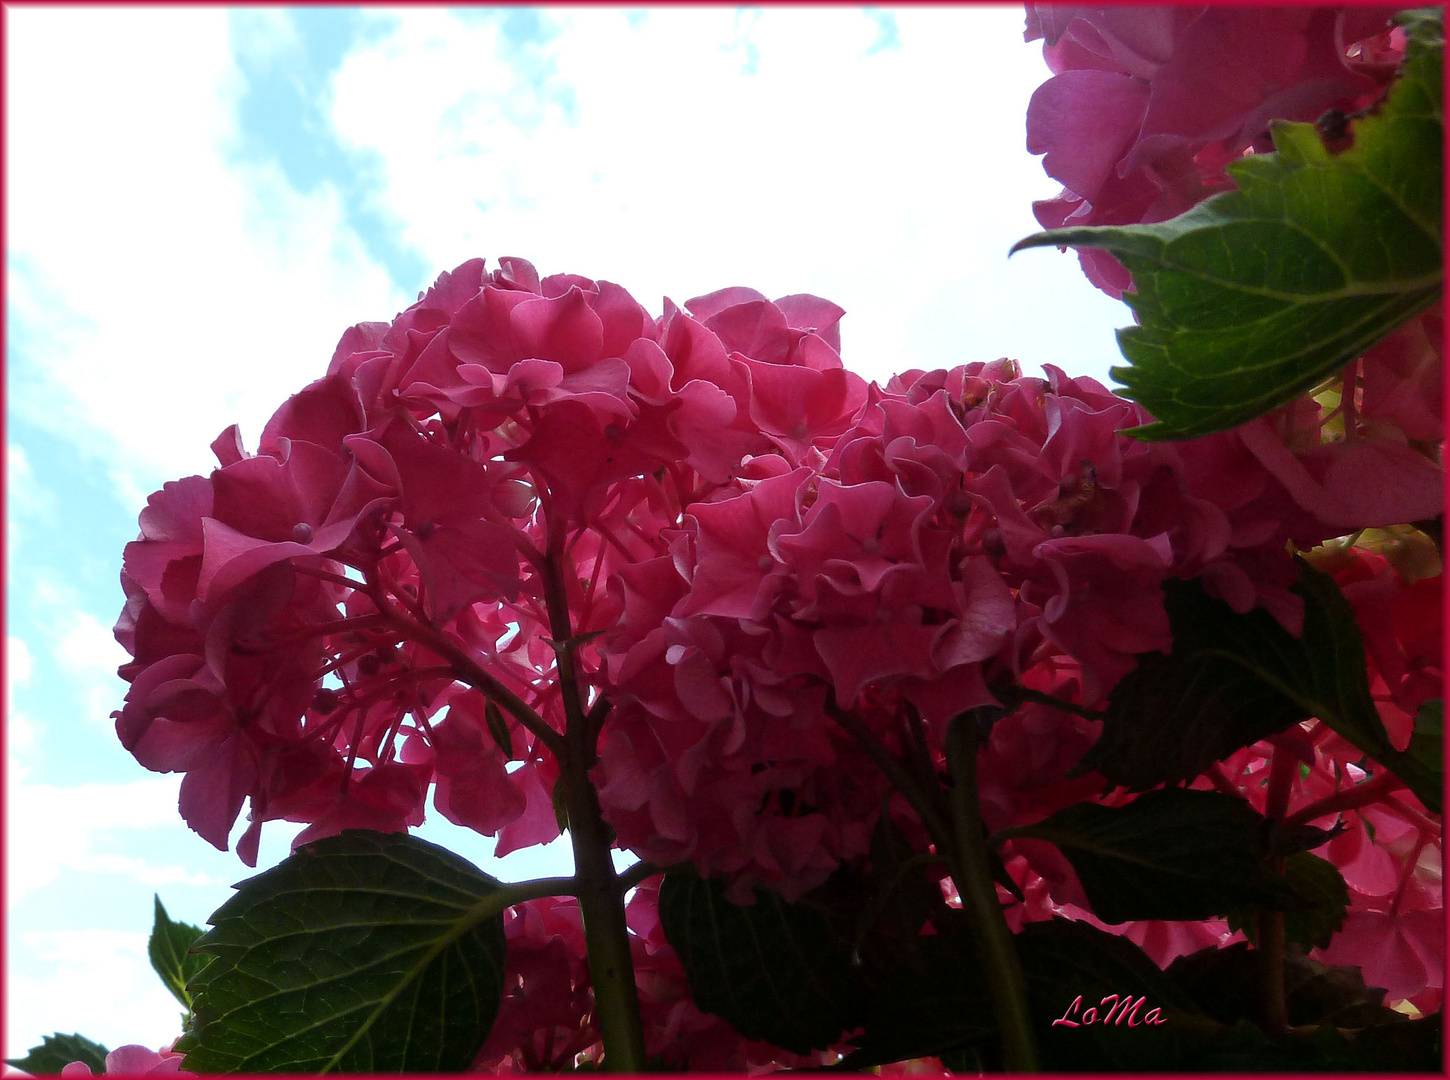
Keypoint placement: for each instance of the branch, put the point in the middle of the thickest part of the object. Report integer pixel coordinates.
(972, 872)
(635, 874)
(1372, 790)
(468, 670)
(925, 803)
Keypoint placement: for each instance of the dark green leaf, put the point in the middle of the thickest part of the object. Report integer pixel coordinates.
(1326, 674)
(1421, 766)
(1328, 678)
(899, 890)
(1068, 962)
(364, 952)
(1284, 839)
(1172, 854)
(945, 1011)
(1253, 297)
(1317, 993)
(1232, 679)
(1173, 716)
(1225, 984)
(1413, 1046)
(1221, 981)
(1244, 1048)
(171, 955)
(940, 1006)
(57, 1051)
(773, 970)
(1322, 886)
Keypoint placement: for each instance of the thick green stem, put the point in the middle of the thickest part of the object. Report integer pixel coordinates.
(606, 936)
(1271, 971)
(600, 891)
(1271, 923)
(972, 871)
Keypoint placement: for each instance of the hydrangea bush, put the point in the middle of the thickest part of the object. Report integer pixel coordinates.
(978, 718)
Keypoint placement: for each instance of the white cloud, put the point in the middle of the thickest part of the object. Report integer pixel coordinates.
(24, 498)
(18, 664)
(86, 646)
(98, 980)
(51, 829)
(88, 651)
(685, 149)
(160, 288)
(20, 733)
(20, 739)
(83, 649)
(263, 35)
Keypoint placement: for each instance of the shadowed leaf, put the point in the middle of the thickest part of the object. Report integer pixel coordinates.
(773, 970)
(1322, 886)
(363, 952)
(1172, 854)
(57, 1051)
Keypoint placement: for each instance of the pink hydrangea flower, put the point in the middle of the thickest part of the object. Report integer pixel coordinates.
(133, 1060)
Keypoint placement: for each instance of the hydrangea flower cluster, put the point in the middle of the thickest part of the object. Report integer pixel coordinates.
(973, 528)
(305, 621)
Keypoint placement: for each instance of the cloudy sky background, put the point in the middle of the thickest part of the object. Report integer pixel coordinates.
(200, 201)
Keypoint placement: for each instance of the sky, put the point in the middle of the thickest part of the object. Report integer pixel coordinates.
(200, 200)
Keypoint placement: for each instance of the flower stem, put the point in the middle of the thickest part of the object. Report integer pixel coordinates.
(606, 935)
(1271, 971)
(913, 788)
(600, 891)
(1271, 923)
(990, 934)
(1350, 798)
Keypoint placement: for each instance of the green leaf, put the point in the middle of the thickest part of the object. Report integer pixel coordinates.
(1065, 961)
(1322, 886)
(1171, 854)
(1422, 765)
(1253, 297)
(1233, 679)
(1226, 984)
(1244, 1048)
(1173, 716)
(946, 1011)
(1327, 677)
(171, 955)
(938, 1006)
(773, 970)
(898, 890)
(363, 952)
(57, 1051)
(1413, 1046)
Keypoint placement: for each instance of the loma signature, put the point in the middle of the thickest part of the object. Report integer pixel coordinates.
(1125, 1008)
